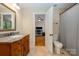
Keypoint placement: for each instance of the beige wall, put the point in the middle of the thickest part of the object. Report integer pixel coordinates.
(28, 24)
(18, 18)
(55, 20)
(27, 20)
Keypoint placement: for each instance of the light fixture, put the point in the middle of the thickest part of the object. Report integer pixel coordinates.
(16, 6)
(39, 18)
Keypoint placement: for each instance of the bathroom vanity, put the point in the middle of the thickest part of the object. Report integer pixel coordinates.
(17, 45)
(11, 44)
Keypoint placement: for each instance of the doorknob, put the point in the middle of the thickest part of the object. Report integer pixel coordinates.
(51, 34)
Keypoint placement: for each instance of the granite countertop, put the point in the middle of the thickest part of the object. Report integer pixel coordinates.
(11, 39)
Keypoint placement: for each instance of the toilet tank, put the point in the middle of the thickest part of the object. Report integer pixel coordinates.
(55, 37)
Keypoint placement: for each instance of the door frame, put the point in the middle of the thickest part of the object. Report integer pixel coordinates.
(34, 23)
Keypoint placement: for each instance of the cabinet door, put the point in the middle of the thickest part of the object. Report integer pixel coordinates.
(40, 41)
(16, 48)
(4, 49)
(25, 43)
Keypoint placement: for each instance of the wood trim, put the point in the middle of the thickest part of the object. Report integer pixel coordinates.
(15, 18)
(7, 30)
(68, 8)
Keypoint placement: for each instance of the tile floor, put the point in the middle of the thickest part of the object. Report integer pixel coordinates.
(42, 51)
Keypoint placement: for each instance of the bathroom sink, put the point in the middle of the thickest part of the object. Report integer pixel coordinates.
(11, 38)
(16, 36)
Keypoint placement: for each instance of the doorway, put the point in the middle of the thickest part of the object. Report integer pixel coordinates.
(39, 29)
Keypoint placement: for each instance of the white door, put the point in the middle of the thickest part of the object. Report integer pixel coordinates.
(49, 30)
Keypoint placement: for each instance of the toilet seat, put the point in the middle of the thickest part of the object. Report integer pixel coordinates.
(58, 44)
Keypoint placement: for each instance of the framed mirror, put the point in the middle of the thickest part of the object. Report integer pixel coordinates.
(7, 18)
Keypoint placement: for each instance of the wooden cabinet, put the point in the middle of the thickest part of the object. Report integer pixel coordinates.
(4, 49)
(40, 41)
(25, 44)
(17, 48)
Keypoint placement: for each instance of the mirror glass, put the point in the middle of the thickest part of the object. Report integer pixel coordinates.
(7, 18)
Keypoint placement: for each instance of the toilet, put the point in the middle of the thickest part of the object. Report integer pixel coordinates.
(58, 45)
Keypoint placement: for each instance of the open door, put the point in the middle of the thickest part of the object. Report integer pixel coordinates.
(49, 30)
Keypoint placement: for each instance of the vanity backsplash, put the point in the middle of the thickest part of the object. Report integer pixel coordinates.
(8, 34)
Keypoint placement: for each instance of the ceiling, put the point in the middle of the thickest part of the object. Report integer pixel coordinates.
(45, 6)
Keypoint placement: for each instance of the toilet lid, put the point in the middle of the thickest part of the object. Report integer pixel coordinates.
(57, 43)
